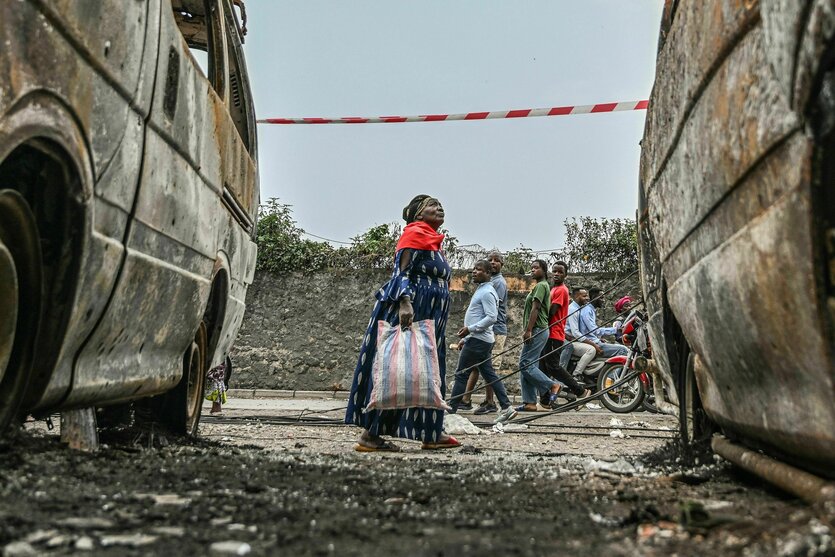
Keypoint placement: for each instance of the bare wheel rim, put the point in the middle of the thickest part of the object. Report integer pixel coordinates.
(196, 370)
(623, 396)
(8, 306)
(19, 297)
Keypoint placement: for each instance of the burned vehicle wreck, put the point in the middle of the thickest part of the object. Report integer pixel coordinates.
(128, 195)
(737, 223)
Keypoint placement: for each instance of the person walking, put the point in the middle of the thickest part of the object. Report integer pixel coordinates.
(558, 314)
(417, 290)
(535, 320)
(499, 331)
(477, 339)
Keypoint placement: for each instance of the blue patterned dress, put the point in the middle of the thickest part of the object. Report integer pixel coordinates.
(426, 279)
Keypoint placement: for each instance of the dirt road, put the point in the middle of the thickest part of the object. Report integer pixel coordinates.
(273, 488)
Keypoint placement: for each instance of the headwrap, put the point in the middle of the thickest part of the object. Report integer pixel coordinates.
(419, 235)
(416, 206)
(622, 302)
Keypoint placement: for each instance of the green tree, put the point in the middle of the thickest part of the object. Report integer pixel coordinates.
(601, 245)
(375, 247)
(282, 247)
(518, 260)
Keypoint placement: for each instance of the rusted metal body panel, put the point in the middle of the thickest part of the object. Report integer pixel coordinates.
(113, 84)
(729, 228)
(180, 227)
(701, 33)
(59, 83)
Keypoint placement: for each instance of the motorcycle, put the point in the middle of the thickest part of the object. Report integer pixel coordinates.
(631, 395)
(588, 379)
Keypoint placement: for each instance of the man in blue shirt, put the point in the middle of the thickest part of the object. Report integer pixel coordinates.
(477, 340)
(584, 348)
(499, 331)
(590, 330)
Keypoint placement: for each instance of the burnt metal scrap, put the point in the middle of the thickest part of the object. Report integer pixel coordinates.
(138, 169)
(735, 210)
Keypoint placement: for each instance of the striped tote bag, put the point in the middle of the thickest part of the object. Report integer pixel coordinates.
(405, 371)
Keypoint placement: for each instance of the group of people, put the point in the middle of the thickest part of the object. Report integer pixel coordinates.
(418, 289)
(555, 326)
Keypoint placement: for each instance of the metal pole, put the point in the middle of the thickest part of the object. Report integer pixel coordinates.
(808, 487)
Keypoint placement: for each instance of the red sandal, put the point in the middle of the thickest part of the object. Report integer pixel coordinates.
(449, 443)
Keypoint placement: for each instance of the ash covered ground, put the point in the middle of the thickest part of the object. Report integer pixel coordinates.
(278, 489)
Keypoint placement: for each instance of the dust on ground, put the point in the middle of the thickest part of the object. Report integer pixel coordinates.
(564, 487)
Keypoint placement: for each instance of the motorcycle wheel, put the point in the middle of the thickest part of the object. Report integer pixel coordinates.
(625, 398)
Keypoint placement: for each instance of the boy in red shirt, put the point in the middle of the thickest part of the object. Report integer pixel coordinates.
(556, 335)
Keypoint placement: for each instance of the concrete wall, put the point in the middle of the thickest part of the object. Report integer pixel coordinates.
(304, 331)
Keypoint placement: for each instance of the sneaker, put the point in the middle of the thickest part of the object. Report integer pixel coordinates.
(586, 394)
(485, 408)
(465, 406)
(505, 415)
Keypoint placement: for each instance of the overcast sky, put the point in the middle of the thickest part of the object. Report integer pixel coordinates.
(502, 182)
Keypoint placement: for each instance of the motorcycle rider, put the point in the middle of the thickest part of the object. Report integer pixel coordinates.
(623, 308)
(585, 348)
(590, 331)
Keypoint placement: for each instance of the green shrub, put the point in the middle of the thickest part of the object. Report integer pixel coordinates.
(600, 245)
(283, 249)
(592, 245)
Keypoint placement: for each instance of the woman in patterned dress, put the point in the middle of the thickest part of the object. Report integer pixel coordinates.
(418, 289)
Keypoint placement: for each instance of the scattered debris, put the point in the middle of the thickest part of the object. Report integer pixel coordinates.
(268, 497)
(128, 540)
(230, 547)
(616, 434)
(509, 428)
(19, 549)
(604, 520)
(173, 531)
(615, 422)
(39, 536)
(713, 505)
(694, 516)
(85, 543)
(165, 499)
(663, 530)
(620, 466)
(58, 541)
(693, 476)
(455, 424)
(86, 523)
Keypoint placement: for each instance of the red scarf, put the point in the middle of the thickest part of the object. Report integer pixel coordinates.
(419, 235)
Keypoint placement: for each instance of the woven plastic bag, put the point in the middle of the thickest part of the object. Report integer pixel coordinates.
(405, 371)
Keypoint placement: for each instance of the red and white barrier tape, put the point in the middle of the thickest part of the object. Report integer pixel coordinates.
(524, 113)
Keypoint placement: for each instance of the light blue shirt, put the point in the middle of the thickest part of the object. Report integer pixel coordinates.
(588, 325)
(572, 324)
(500, 286)
(482, 312)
